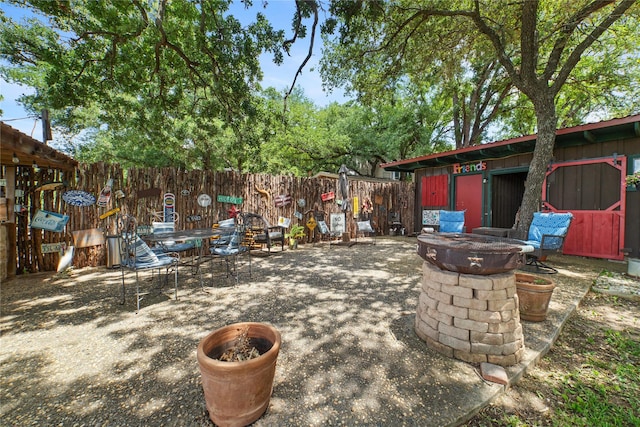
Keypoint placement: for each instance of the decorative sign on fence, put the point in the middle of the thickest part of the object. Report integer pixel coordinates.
(284, 222)
(49, 221)
(282, 200)
(337, 223)
(87, 238)
(298, 215)
(229, 199)
(169, 206)
(311, 224)
(49, 186)
(328, 196)
(78, 198)
(105, 194)
(233, 212)
(109, 213)
(194, 218)
(356, 207)
(50, 248)
(430, 217)
(204, 200)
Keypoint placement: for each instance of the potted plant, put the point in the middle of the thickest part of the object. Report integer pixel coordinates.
(296, 232)
(633, 180)
(238, 364)
(534, 294)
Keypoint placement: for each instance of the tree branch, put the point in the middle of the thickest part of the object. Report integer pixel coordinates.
(575, 55)
(567, 30)
(529, 40)
(314, 7)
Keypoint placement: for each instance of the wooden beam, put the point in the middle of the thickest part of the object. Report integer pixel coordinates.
(589, 136)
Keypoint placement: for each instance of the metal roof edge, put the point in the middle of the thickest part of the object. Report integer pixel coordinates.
(563, 131)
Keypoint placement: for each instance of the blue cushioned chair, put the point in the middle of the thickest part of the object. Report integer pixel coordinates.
(236, 246)
(451, 222)
(136, 255)
(546, 234)
(226, 228)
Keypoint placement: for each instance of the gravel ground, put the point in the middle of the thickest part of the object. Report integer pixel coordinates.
(71, 355)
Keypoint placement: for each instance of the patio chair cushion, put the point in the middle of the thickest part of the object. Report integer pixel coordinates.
(145, 257)
(324, 228)
(548, 224)
(365, 227)
(233, 247)
(451, 221)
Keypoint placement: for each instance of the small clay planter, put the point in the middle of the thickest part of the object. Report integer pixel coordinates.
(238, 393)
(534, 294)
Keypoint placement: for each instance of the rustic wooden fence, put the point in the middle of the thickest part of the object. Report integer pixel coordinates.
(143, 191)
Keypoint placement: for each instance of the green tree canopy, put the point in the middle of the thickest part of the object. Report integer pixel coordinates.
(538, 44)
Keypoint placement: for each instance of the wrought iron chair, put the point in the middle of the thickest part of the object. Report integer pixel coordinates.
(137, 256)
(451, 222)
(263, 233)
(226, 228)
(238, 244)
(326, 232)
(365, 228)
(547, 233)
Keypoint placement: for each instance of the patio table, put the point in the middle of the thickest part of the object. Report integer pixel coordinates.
(188, 235)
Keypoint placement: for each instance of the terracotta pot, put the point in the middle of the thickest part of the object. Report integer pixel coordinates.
(238, 393)
(534, 294)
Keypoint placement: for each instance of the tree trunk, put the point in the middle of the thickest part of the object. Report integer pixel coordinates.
(542, 155)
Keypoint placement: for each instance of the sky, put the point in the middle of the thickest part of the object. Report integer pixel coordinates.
(279, 13)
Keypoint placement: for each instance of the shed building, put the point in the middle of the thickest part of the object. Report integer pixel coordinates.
(586, 177)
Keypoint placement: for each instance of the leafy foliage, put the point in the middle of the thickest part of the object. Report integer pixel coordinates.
(177, 83)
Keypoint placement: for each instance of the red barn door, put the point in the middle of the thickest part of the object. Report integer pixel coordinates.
(593, 190)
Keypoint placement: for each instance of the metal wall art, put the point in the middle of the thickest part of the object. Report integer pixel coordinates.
(78, 198)
(204, 200)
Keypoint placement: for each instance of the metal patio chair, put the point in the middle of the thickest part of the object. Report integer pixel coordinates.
(326, 232)
(137, 256)
(263, 233)
(365, 228)
(547, 233)
(237, 245)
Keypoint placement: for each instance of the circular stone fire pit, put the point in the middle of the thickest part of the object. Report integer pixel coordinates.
(471, 253)
(468, 306)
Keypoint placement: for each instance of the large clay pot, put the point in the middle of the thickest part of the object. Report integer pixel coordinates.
(534, 294)
(238, 393)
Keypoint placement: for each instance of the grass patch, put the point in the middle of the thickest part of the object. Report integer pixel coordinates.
(591, 377)
(603, 391)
